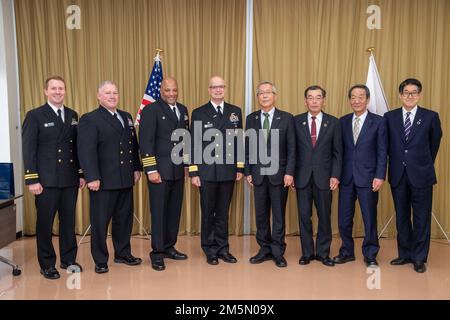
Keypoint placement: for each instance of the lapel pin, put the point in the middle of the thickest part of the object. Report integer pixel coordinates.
(164, 118)
(304, 123)
(419, 122)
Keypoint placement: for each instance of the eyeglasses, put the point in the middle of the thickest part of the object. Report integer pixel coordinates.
(413, 94)
(265, 92)
(216, 87)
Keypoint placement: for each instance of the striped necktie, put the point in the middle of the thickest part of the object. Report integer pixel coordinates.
(407, 125)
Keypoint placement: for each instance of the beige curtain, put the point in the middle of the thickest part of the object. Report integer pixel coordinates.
(117, 41)
(298, 43)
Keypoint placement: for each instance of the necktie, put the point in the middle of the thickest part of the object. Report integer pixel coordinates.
(117, 118)
(219, 112)
(313, 131)
(407, 125)
(60, 115)
(356, 130)
(174, 109)
(266, 125)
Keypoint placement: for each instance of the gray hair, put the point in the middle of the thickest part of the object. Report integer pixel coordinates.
(274, 89)
(106, 82)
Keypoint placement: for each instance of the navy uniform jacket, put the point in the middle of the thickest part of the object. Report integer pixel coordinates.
(207, 119)
(416, 155)
(325, 159)
(155, 139)
(367, 159)
(107, 151)
(284, 122)
(50, 148)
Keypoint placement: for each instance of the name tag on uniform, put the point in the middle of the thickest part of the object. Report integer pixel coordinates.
(130, 123)
(208, 125)
(49, 124)
(74, 122)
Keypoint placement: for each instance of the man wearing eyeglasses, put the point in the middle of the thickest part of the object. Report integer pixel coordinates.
(217, 169)
(414, 138)
(270, 186)
(317, 173)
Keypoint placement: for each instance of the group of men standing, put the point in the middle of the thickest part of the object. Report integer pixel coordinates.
(315, 154)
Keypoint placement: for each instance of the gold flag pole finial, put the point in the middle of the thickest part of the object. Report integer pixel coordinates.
(159, 51)
(370, 50)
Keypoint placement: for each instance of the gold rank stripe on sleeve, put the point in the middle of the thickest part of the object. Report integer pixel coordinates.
(31, 176)
(149, 161)
(193, 168)
(240, 165)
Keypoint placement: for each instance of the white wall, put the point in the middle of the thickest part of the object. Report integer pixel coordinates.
(10, 126)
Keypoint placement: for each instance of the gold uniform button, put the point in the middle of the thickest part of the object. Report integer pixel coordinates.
(130, 151)
(121, 162)
(59, 150)
(121, 152)
(28, 171)
(70, 150)
(129, 142)
(71, 161)
(131, 161)
(59, 160)
(121, 143)
(71, 140)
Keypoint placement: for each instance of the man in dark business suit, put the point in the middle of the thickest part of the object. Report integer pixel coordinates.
(317, 173)
(165, 178)
(414, 138)
(109, 156)
(270, 186)
(49, 142)
(216, 179)
(364, 140)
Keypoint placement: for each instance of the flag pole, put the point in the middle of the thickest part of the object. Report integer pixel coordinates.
(158, 53)
(370, 50)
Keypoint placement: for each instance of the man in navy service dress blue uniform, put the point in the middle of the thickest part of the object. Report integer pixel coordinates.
(414, 138)
(216, 179)
(109, 156)
(270, 186)
(165, 178)
(364, 140)
(52, 174)
(317, 173)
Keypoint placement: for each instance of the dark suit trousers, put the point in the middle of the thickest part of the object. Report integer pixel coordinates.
(368, 201)
(215, 199)
(322, 201)
(50, 201)
(268, 196)
(166, 200)
(104, 206)
(413, 239)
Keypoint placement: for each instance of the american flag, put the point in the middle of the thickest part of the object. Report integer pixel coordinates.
(151, 93)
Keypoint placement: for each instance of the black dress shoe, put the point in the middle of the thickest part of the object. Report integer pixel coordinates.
(339, 259)
(400, 261)
(130, 260)
(158, 265)
(50, 273)
(420, 267)
(101, 268)
(305, 260)
(280, 262)
(74, 267)
(325, 261)
(175, 255)
(260, 257)
(212, 260)
(371, 262)
(227, 257)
